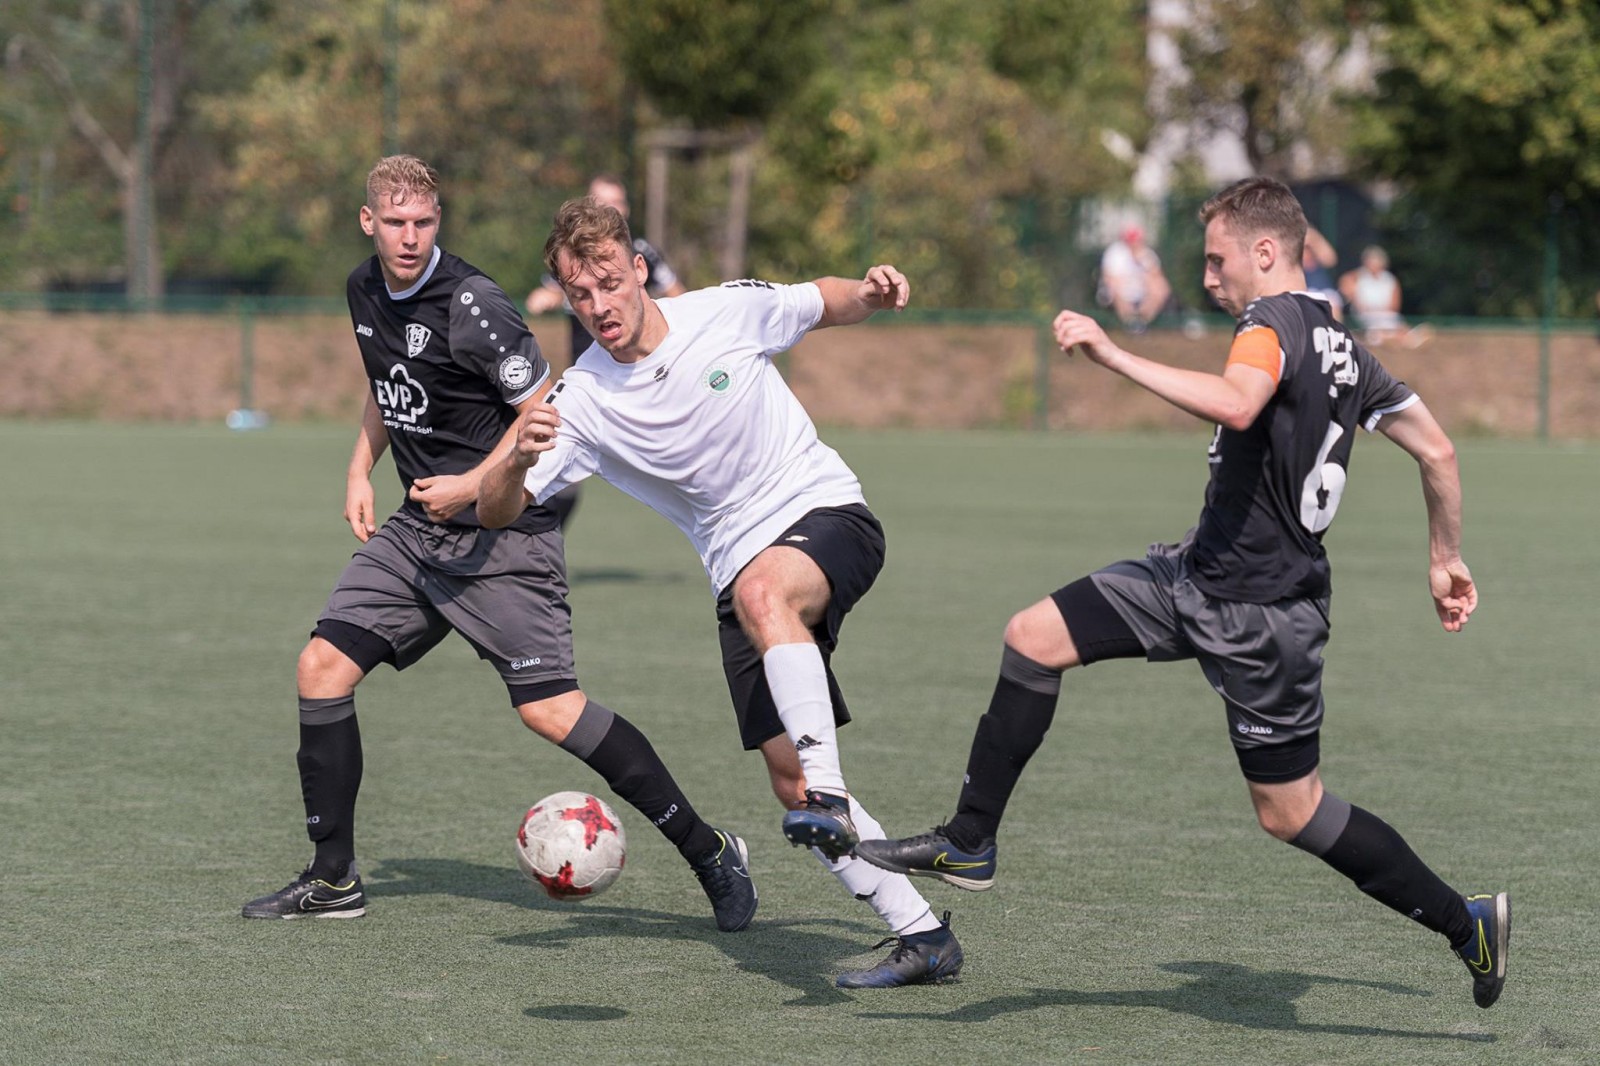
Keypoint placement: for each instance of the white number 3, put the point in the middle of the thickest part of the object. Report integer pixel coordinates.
(1319, 495)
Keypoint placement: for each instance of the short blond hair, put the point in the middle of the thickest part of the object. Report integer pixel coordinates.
(397, 178)
(582, 229)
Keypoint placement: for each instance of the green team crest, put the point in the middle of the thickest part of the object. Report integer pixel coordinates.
(718, 380)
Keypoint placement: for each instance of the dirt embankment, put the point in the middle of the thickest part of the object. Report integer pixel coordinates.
(189, 368)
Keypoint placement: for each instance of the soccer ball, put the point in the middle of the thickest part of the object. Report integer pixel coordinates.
(571, 844)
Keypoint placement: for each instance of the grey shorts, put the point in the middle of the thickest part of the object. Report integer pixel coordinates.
(1263, 659)
(505, 591)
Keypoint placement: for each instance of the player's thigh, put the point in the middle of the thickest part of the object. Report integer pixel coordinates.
(830, 557)
(378, 610)
(505, 592)
(1265, 661)
(753, 705)
(1122, 611)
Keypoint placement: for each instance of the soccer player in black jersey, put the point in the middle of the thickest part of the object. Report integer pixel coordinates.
(452, 365)
(1246, 592)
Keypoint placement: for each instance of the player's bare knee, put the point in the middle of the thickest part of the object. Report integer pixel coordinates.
(553, 717)
(325, 672)
(1280, 824)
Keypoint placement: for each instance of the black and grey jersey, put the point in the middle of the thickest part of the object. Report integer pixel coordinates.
(448, 360)
(1275, 486)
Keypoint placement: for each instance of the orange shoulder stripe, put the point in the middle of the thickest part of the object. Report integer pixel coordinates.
(1259, 348)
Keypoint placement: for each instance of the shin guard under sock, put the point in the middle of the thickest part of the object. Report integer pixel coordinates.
(330, 776)
(1368, 851)
(1019, 715)
(616, 750)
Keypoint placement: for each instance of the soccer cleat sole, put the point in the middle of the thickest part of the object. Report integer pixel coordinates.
(310, 914)
(824, 838)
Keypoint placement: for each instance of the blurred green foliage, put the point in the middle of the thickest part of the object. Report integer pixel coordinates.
(975, 145)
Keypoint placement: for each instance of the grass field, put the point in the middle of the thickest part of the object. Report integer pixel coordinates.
(158, 582)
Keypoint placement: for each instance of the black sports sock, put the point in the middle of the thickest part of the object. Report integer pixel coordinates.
(330, 776)
(1368, 851)
(618, 752)
(1020, 712)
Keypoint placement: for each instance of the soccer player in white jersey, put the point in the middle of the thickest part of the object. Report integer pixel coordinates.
(678, 404)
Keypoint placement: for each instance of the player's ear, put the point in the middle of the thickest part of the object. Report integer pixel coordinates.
(1266, 250)
(367, 222)
(641, 269)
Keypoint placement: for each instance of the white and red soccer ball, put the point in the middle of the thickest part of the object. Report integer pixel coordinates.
(572, 845)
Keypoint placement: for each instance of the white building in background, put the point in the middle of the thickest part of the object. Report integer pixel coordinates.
(1219, 147)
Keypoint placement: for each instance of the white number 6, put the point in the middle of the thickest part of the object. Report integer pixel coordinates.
(1319, 495)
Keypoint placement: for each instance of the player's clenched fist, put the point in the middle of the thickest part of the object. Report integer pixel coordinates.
(1073, 330)
(536, 433)
(884, 287)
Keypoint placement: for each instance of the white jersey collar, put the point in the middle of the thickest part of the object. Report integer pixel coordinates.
(426, 274)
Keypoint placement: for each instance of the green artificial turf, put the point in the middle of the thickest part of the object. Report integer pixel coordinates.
(158, 582)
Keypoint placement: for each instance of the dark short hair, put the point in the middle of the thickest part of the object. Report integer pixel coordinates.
(582, 229)
(1255, 206)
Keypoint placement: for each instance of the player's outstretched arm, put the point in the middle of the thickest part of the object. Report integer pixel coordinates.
(846, 302)
(443, 496)
(501, 495)
(1233, 398)
(360, 510)
(1455, 596)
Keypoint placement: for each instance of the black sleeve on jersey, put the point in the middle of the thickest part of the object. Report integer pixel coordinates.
(1378, 389)
(489, 337)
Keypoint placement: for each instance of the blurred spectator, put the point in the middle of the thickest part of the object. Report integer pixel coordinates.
(1373, 294)
(1131, 280)
(1318, 259)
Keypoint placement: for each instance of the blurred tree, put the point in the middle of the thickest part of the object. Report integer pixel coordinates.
(716, 63)
(116, 74)
(1265, 70)
(1488, 116)
(943, 137)
(515, 104)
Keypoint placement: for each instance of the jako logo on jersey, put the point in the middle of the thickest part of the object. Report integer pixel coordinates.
(365, 331)
(1257, 730)
(670, 812)
(796, 538)
(523, 664)
(718, 379)
(402, 399)
(417, 338)
(516, 372)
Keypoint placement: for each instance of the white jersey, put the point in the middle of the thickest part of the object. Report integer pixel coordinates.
(704, 429)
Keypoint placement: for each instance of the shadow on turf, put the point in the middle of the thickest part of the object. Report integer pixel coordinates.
(802, 954)
(1223, 992)
(622, 575)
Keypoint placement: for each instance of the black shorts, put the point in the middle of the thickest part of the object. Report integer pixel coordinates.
(847, 545)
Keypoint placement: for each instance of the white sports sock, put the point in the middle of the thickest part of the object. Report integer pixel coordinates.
(891, 895)
(799, 685)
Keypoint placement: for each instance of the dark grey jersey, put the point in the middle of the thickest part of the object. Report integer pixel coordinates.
(448, 361)
(1276, 485)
